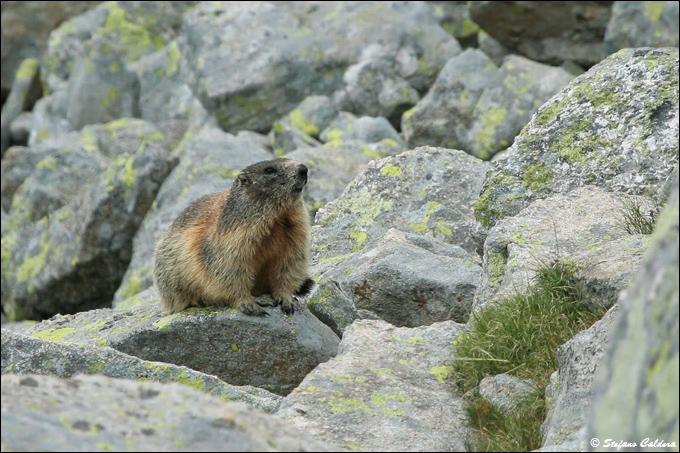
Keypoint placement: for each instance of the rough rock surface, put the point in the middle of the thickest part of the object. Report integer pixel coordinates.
(266, 58)
(96, 413)
(576, 229)
(547, 32)
(479, 108)
(427, 191)
(636, 387)
(21, 40)
(404, 279)
(642, 24)
(388, 389)
(274, 352)
(67, 242)
(616, 126)
(505, 391)
(22, 354)
(373, 87)
(24, 93)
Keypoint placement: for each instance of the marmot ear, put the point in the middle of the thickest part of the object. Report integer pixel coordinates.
(243, 178)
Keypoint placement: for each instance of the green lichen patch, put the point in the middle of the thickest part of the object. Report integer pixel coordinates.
(300, 122)
(537, 177)
(487, 210)
(496, 266)
(362, 203)
(423, 226)
(57, 335)
(490, 119)
(28, 69)
(134, 38)
(390, 170)
(441, 372)
(173, 59)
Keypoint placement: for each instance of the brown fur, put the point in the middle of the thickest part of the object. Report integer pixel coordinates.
(249, 240)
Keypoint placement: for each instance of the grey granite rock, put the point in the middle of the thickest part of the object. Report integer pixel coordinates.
(274, 352)
(427, 191)
(389, 389)
(616, 127)
(23, 354)
(546, 32)
(636, 386)
(67, 241)
(97, 413)
(641, 24)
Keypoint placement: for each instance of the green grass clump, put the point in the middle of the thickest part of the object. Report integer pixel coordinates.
(520, 336)
(636, 219)
(518, 431)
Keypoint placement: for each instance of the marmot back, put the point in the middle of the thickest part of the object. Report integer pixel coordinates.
(229, 246)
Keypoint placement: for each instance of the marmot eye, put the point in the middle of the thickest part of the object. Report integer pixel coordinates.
(270, 170)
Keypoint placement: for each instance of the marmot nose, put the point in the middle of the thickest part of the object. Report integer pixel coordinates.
(302, 172)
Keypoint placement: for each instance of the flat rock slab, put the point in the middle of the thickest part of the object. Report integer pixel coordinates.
(389, 389)
(23, 354)
(274, 352)
(97, 413)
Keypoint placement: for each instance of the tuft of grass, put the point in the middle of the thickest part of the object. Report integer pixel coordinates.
(636, 219)
(520, 336)
(517, 431)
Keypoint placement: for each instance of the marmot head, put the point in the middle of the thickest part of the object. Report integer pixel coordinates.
(278, 179)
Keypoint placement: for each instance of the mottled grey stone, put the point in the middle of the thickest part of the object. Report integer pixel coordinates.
(505, 391)
(616, 127)
(389, 389)
(373, 88)
(569, 394)
(641, 24)
(427, 191)
(23, 354)
(404, 279)
(97, 413)
(274, 352)
(547, 32)
(26, 27)
(24, 93)
(265, 58)
(581, 229)
(636, 386)
(68, 238)
(479, 108)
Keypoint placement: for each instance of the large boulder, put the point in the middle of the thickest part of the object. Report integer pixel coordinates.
(642, 24)
(405, 279)
(26, 26)
(97, 413)
(479, 108)
(274, 352)
(427, 191)
(389, 389)
(68, 238)
(569, 395)
(23, 354)
(616, 127)
(265, 58)
(636, 387)
(551, 33)
(583, 229)
(24, 93)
